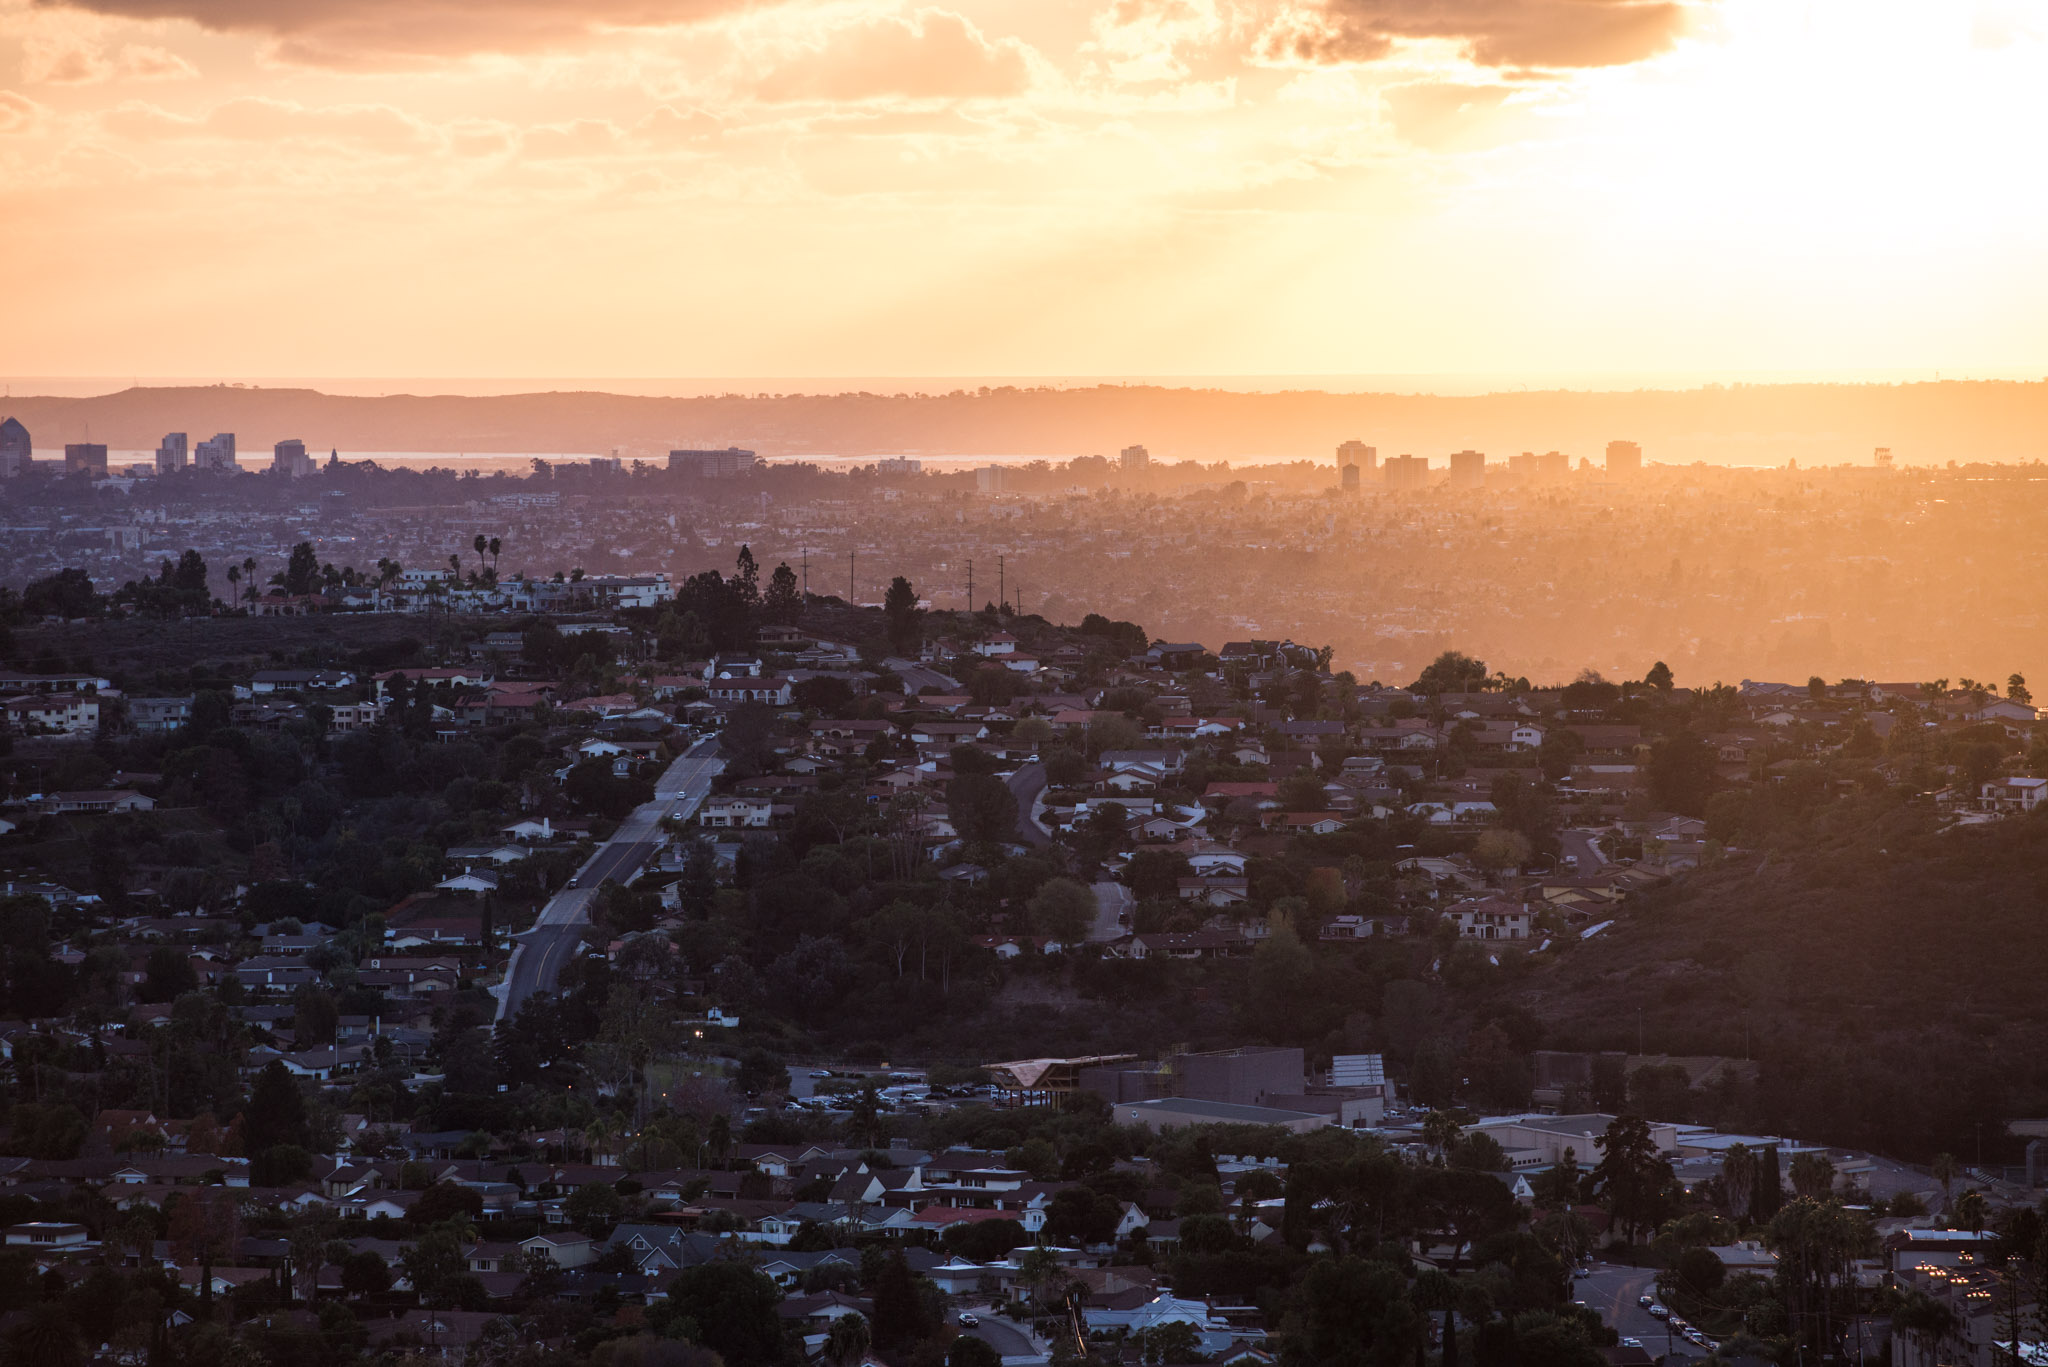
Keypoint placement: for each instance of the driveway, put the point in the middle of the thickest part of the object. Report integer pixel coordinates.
(1112, 901)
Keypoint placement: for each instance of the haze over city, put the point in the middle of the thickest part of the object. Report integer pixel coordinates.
(1023, 683)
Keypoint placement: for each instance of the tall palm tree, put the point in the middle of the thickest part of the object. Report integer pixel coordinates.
(1946, 1169)
(249, 576)
(481, 544)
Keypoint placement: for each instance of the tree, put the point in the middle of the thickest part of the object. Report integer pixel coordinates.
(1659, 677)
(847, 1341)
(1682, 774)
(67, 593)
(168, 974)
(365, 1273)
(1451, 672)
(729, 1307)
(783, 603)
(1631, 1177)
(436, 1266)
(47, 1338)
(1738, 1179)
(2016, 689)
(1349, 1312)
(900, 1316)
(1063, 910)
(1499, 849)
(982, 808)
(315, 1017)
(1813, 1176)
(1946, 1169)
(277, 1111)
(301, 573)
(1769, 1193)
(1560, 749)
(969, 1351)
(205, 1227)
(899, 605)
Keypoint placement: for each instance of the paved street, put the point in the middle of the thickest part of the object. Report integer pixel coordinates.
(1581, 846)
(538, 957)
(1612, 1290)
(1026, 785)
(1112, 901)
(1013, 1341)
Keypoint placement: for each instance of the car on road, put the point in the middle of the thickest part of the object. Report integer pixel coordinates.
(1646, 1301)
(968, 1319)
(1659, 1312)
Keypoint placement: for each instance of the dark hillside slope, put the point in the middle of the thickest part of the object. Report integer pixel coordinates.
(1893, 979)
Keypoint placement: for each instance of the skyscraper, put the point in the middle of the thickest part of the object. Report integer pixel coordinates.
(172, 453)
(1468, 469)
(1624, 458)
(1135, 458)
(289, 458)
(1407, 472)
(218, 453)
(86, 457)
(15, 449)
(1357, 455)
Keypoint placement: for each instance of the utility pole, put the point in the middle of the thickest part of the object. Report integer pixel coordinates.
(850, 557)
(1002, 595)
(807, 574)
(970, 586)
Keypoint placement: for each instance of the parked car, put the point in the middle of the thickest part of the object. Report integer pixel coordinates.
(968, 1319)
(1659, 1312)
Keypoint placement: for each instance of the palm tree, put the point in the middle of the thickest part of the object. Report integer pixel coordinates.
(234, 578)
(496, 546)
(1972, 1210)
(482, 544)
(1946, 1169)
(249, 576)
(49, 1339)
(847, 1341)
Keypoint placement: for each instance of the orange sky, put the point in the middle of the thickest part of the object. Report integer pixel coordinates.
(832, 187)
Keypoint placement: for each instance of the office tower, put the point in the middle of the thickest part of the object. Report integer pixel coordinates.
(988, 479)
(1356, 454)
(172, 453)
(898, 465)
(1624, 458)
(216, 453)
(1135, 458)
(729, 463)
(1552, 466)
(1468, 470)
(1348, 477)
(1884, 457)
(1406, 472)
(86, 456)
(289, 458)
(15, 450)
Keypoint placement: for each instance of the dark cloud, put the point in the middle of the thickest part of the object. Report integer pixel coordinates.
(1530, 34)
(375, 32)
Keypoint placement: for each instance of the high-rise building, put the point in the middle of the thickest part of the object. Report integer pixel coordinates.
(1624, 458)
(1135, 458)
(289, 458)
(1884, 457)
(1552, 466)
(988, 479)
(899, 465)
(1357, 455)
(16, 452)
(1348, 479)
(1407, 472)
(172, 453)
(729, 463)
(87, 457)
(1468, 469)
(216, 453)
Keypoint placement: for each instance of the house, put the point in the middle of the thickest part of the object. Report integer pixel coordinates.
(95, 802)
(1216, 890)
(2012, 794)
(1491, 919)
(272, 680)
(47, 1235)
(562, 1248)
(58, 714)
(158, 716)
(733, 810)
(774, 691)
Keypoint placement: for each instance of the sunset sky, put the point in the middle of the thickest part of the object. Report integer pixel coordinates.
(861, 187)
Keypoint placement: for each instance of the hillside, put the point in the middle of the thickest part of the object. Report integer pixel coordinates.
(1888, 975)
(1745, 424)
